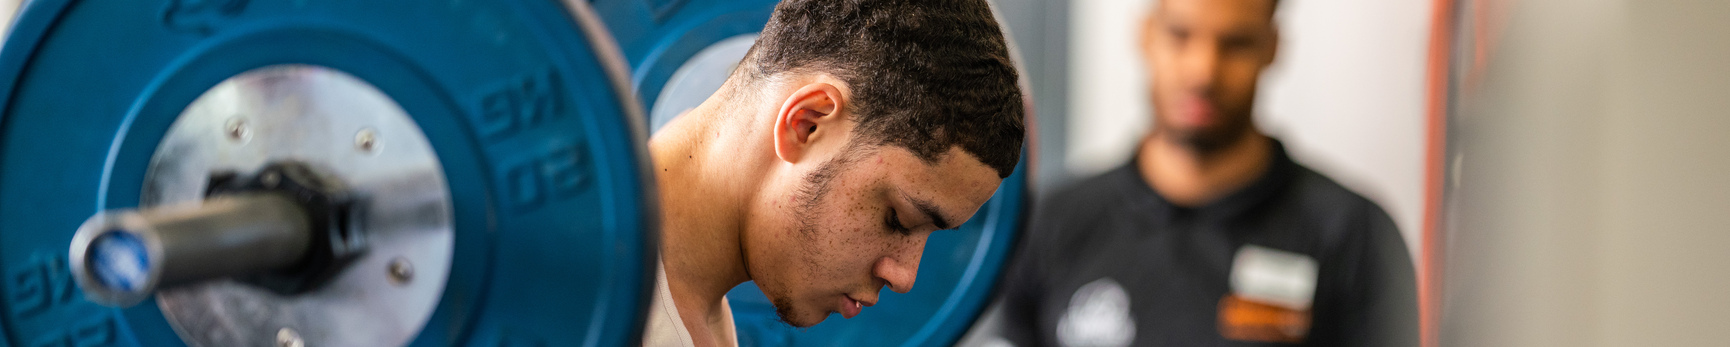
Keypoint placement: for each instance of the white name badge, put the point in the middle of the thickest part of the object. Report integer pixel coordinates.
(1274, 277)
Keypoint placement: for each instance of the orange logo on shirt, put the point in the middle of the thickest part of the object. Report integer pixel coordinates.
(1248, 320)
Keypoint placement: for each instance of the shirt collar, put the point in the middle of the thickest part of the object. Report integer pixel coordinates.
(1280, 171)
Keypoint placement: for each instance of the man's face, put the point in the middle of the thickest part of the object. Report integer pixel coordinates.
(856, 223)
(1204, 58)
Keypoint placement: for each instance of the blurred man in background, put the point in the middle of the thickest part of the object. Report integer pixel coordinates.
(1211, 235)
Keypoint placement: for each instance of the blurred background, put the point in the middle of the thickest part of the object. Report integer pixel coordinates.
(1560, 161)
(1586, 196)
(1347, 95)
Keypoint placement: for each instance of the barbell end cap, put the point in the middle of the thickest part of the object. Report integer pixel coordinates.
(115, 259)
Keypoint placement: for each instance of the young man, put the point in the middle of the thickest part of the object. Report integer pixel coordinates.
(851, 131)
(1211, 235)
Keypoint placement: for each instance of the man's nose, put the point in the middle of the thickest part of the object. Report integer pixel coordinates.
(1201, 65)
(901, 268)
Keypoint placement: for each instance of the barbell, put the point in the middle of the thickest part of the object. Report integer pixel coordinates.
(372, 173)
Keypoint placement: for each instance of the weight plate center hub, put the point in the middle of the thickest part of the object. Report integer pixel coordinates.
(342, 130)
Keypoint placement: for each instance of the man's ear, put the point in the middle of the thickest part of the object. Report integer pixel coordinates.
(809, 118)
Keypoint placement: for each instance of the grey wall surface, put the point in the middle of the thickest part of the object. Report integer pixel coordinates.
(1591, 197)
(1040, 31)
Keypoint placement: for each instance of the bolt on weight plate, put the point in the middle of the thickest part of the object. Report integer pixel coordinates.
(401, 271)
(496, 131)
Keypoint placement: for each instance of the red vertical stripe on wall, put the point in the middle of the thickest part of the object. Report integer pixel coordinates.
(1429, 274)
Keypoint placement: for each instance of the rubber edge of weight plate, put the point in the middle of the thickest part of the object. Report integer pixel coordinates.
(32, 18)
(607, 52)
(15, 54)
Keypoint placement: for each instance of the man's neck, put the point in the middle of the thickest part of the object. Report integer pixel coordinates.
(1189, 176)
(704, 186)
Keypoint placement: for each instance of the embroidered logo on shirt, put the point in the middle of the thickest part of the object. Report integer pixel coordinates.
(1272, 291)
(1098, 316)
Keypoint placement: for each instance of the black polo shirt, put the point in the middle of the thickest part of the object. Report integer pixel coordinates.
(1110, 262)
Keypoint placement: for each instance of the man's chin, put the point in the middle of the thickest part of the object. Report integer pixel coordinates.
(791, 316)
(798, 321)
(1206, 139)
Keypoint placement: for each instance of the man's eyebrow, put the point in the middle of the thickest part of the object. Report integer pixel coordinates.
(932, 212)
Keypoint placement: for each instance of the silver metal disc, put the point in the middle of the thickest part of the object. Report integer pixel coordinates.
(350, 131)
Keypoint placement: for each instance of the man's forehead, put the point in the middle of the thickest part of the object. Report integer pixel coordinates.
(956, 183)
(954, 162)
(1234, 12)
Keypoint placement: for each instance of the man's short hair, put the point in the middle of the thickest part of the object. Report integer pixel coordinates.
(926, 75)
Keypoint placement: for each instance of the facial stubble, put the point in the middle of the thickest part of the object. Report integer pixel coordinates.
(815, 188)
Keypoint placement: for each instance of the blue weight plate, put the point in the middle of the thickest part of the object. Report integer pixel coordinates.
(553, 212)
(959, 270)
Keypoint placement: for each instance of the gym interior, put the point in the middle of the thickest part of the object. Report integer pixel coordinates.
(478, 173)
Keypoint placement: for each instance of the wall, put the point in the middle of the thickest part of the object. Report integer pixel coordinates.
(8, 10)
(1038, 31)
(1520, 244)
(1591, 201)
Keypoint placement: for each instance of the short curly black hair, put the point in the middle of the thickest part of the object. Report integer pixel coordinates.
(925, 75)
